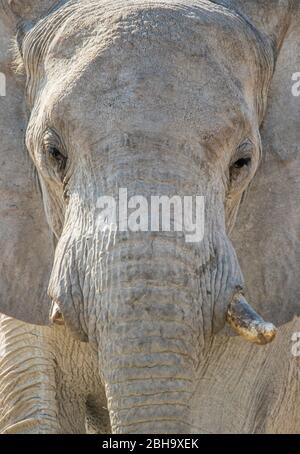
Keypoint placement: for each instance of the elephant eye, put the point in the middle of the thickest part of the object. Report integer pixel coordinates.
(243, 162)
(56, 155)
(241, 167)
(53, 151)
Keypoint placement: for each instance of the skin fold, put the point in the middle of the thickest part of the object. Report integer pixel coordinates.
(48, 382)
(162, 98)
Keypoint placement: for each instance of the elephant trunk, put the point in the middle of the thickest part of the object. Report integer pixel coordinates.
(148, 337)
(150, 392)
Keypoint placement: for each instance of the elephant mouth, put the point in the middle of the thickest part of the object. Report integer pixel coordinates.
(240, 316)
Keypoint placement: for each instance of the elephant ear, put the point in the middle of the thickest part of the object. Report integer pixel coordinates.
(26, 245)
(267, 233)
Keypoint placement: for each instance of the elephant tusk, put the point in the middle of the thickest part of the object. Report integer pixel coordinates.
(247, 323)
(56, 316)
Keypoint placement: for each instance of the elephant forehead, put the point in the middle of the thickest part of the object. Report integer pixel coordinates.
(164, 66)
(161, 93)
(161, 65)
(197, 29)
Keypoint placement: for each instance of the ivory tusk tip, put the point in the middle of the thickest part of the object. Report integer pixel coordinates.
(266, 333)
(56, 316)
(248, 324)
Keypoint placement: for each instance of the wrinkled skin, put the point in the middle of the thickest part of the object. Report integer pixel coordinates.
(161, 99)
(49, 382)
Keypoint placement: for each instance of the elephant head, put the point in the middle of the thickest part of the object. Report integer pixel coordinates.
(162, 98)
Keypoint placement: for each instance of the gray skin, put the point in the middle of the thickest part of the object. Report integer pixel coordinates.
(162, 98)
(49, 382)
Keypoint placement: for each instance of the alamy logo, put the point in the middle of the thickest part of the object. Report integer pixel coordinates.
(158, 213)
(2, 84)
(296, 85)
(296, 344)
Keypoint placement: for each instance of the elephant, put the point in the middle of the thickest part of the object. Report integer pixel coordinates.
(110, 330)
